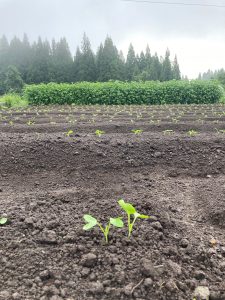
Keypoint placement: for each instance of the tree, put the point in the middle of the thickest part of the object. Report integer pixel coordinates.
(142, 62)
(155, 68)
(39, 69)
(148, 58)
(2, 83)
(110, 64)
(221, 76)
(176, 69)
(167, 73)
(13, 80)
(131, 65)
(4, 49)
(61, 63)
(85, 67)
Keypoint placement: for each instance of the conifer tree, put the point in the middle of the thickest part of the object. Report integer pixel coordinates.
(176, 69)
(131, 65)
(85, 66)
(61, 61)
(109, 63)
(167, 73)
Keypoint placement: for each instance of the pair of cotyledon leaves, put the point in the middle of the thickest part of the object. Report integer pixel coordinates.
(117, 222)
(91, 222)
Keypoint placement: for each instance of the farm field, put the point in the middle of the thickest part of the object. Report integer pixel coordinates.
(54, 168)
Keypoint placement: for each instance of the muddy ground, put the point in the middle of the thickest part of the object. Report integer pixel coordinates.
(49, 179)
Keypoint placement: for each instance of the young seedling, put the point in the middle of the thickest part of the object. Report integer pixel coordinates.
(69, 132)
(192, 132)
(130, 210)
(99, 132)
(220, 130)
(3, 221)
(91, 222)
(137, 131)
(30, 122)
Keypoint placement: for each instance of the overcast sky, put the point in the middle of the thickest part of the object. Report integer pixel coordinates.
(196, 34)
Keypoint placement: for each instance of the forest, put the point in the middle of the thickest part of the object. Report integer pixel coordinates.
(23, 62)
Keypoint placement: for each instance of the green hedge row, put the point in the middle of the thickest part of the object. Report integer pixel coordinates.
(150, 92)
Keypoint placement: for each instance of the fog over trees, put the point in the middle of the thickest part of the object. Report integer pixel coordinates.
(45, 61)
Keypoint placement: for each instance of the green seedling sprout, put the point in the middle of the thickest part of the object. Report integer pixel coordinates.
(192, 132)
(220, 130)
(69, 132)
(3, 221)
(30, 122)
(130, 210)
(137, 131)
(99, 132)
(91, 222)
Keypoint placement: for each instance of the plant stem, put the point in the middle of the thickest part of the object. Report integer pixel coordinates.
(105, 231)
(129, 226)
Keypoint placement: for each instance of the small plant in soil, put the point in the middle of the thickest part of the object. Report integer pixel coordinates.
(3, 221)
(220, 130)
(30, 122)
(192, 132)
(137, 131)
(69, 132)
(91, 222)
(99, 132)
(131, 211)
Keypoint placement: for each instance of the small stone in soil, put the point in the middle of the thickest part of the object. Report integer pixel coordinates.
(97, 287)
(148, 269)
(184, 243)
(148, 282)
(89, 260)
(157, 225)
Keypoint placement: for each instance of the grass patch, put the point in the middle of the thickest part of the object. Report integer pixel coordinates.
(13, 100)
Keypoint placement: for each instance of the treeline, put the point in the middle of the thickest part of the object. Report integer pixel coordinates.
(43, 62)
(213, 75)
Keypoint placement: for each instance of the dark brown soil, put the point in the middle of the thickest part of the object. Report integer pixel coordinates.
(48, 181)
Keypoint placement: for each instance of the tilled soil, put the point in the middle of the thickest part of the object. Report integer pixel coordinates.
(49, 180)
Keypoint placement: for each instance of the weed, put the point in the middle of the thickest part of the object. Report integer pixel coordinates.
(99, 132)
(69, 132)
(13, 100)
(130, 210)
(91, 222)
(137, 131)
(192, 132)
(30, 122)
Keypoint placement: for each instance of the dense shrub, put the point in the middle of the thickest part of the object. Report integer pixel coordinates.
(151, 92)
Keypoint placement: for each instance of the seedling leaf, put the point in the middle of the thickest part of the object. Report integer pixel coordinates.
(3, 221)
(91, 222)
(129, 209)
(88, 226)
(117, 222)
(90, 219)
